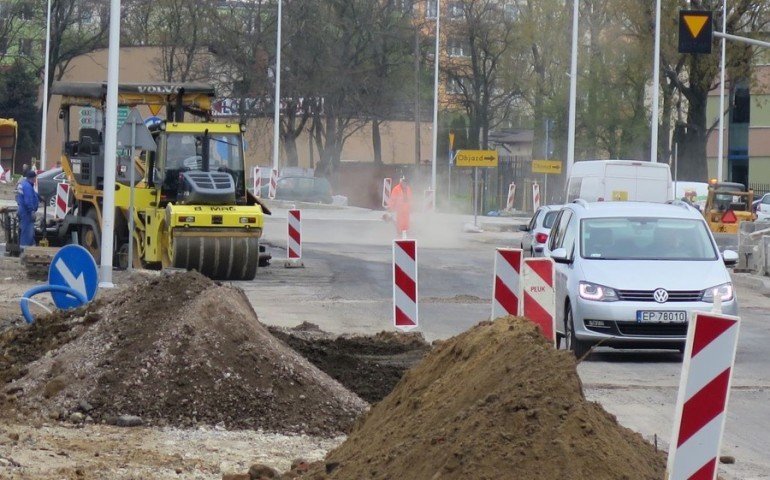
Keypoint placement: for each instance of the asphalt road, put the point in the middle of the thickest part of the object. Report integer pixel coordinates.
(345, 287)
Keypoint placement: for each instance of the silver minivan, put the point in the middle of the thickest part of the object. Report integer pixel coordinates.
(630, 274)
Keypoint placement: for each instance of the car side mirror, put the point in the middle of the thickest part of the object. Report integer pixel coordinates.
(523, 228)
(560, 256)
(730, 258)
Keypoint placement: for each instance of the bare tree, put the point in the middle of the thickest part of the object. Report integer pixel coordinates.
(479, 37)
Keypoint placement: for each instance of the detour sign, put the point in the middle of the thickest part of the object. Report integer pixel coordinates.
(476, 158)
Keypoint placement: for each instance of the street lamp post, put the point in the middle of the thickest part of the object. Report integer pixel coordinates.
(44, 127)
(277, 77)
(655, 88)
(572, 90)
(721, 141)
(110, 146)
(435, 100)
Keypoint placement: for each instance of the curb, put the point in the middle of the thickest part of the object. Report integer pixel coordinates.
(754, 282)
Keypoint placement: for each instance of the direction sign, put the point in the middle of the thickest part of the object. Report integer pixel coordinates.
(476, 158)
(546, 166)
(695, 31)
(73, 267)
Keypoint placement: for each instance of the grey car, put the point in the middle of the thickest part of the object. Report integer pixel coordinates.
(47, 183)
(537, 230)
(630, 274)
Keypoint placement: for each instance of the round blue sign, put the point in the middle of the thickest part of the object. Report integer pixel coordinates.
(73, 267)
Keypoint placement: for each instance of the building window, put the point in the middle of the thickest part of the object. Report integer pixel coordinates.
(430, 8)
(455, 86)
(25, 47)
(455, 10)
(511, 11)
(457, 48)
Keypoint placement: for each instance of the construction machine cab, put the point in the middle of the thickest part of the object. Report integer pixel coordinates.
(201, 164)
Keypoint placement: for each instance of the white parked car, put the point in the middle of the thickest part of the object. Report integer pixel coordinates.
(630, 274)
(537, 230)
(763, 208)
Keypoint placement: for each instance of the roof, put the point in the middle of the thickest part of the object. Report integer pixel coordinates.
(99, 90)
(636, 209)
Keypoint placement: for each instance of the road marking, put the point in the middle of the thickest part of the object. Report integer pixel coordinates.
(78, 283)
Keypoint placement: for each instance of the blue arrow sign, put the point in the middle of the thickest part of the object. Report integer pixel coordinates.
(75, 268)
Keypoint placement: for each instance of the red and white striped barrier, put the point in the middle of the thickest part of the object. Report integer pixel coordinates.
(429, 200)
(257, 179)
(273, 183)
(63, 200)
(535, 196)
(511, 196)
(506, 289)
(538, 297)
(294, 241)
(387, 185)
(405, 284)
(2, 173)
(704, 387)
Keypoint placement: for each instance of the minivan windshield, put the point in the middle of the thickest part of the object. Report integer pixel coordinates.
(641, 238)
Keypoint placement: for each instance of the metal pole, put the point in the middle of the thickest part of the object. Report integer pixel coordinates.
(676, 166)
(655, 88)
(110, 146)
(736, 38)
(435, 97)
(131, 201)
(721, 144)
(276, 115)
(417, 135)
(44, 129)
(572, 89)
(475, 196)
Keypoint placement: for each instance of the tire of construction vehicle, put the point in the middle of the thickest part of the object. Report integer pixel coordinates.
(90, 237)
(578, 347)
(217, 257)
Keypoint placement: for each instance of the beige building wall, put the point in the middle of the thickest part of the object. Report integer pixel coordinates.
(140, 65)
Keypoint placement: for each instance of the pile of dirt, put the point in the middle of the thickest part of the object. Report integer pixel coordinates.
(495, 402)
(370, 366)
(175, 349)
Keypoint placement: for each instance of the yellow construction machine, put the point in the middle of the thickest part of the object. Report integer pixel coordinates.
(192, 209)
(727, 205)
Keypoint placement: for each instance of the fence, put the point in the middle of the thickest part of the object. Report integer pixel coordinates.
(759, 189)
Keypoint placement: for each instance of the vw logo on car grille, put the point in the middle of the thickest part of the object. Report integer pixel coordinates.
(660, 295)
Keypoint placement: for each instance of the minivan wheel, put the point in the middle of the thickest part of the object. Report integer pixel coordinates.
(571, 342)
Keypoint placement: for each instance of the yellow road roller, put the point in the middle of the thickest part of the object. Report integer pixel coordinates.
(192, 209)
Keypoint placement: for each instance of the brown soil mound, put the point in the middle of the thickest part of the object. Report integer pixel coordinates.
(176, 350)
(369, 366)
(496, 402)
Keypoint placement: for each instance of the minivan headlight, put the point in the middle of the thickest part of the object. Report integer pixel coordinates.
(725, 291)
(597, 293)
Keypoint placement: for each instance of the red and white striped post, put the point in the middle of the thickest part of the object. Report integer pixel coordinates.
(387, 184)
(63, 200)
(273, 183)
(535, 196)
(511, 196)
(405, 311)
(257, 182)
(704, 388)
(294, 239)
(538, 295)
(429, 200)
(506, 287)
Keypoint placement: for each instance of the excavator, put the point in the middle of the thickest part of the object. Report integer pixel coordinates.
(727, 205)
(192, 209)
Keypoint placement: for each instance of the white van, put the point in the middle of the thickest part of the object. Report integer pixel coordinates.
(620, 180)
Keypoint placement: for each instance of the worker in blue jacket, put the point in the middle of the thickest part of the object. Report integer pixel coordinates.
(28, 201)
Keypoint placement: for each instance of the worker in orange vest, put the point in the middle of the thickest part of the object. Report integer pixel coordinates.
(400, 204)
